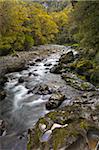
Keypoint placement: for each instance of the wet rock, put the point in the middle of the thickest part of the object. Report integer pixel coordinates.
(3, 127)
(35, 74)
(38, 60)
(67, 58)
(55, 101)
(56, 69)
(3, 80)
(30, 91)
(47, 68)
(42, 127)
(93, 138)
(46, 136)
(32, 63)
(77, 83)
(42, 89)
(47, 64)
(29, 74)
(2, 95)
(21, 80)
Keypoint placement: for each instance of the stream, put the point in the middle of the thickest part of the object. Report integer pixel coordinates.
(22, 108)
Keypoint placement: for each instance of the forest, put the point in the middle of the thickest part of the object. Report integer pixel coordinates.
(24, 24)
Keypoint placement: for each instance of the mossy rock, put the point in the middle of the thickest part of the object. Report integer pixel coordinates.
(73, 80)
(67, 58)
(77, 125)
(56, 69)
(83, 66)
(95, 76)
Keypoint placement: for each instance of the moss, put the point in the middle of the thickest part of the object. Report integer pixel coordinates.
(77, 125)
(85, 85)
(82, 77)
(83, 66)
(61, 136)
(84, 124)
(95, 76)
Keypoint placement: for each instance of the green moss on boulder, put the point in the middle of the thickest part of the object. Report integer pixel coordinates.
(83, 66)
(95, 76)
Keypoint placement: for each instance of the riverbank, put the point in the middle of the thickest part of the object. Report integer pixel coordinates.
(18, 61)
(74, 126)
(65, 106)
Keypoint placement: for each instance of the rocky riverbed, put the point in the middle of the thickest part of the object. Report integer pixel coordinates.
(44, 103)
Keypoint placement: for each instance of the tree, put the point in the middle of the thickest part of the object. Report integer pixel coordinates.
(61, 19)
(42, 25)
(85, 19)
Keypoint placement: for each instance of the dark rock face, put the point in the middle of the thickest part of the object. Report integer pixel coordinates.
(21, 80)
(3, 80)
(67, 58)
(2, 94)
(63, 61)
(30, 73)
(56, 69)
(55, 101)
(3, 127)
(38, 60)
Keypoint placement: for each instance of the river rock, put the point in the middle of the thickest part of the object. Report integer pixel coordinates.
(38, 60)
(47, 64)
(3, 127)
(3, 80)
(67, 58)
(70, 133)
(2, 95)
(32, 63)
(21, 80)
(56, 69)
(77, 83)
(42, 89)
(55, 101)
(29, 74)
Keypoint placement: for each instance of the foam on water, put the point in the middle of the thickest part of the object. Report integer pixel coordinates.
(20, 93)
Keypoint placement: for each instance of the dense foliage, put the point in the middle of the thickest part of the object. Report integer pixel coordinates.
(84, 25)
(24, 24)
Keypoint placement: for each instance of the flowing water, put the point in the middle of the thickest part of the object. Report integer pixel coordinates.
(22, 109)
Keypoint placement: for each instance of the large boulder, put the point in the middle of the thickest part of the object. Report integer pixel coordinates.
(56, 69)
(3, 80)
(67, 58)
(69, 128)
(72, 80)
(55, 101)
